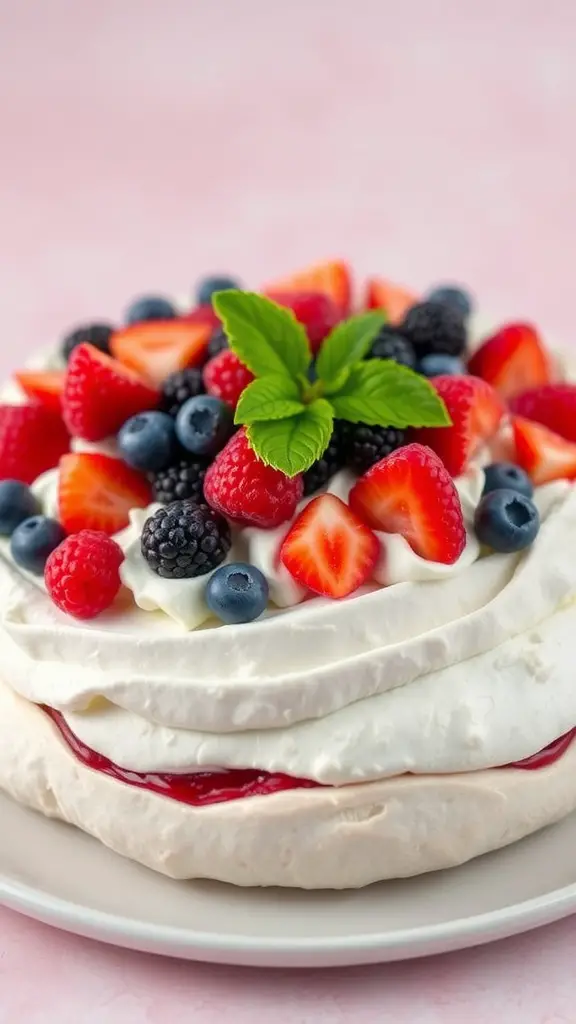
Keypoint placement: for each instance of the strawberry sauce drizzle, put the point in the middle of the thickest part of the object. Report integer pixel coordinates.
(201, 788)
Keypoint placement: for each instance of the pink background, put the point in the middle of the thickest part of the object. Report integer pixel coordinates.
(144, 143)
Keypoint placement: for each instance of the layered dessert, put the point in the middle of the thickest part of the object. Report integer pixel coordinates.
(286, 582)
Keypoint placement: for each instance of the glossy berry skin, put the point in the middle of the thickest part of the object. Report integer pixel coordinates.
(438, 364)
(148, 441)
(97, 334)
(451, 295)
(184, 479)
(179, 387)
(434, 327)
(363, 445)
(100, 394)
(506, 521)
(149, 307)
(17, 503)
(242, 488)
(237, 593)
(183, 540)
(226, 377)
(82, 574)
(209, 285)
(204, 425)
(34, 540)
(389, 344)
(502, 476)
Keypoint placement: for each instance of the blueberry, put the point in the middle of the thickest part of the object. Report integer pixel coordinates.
(437, 363)
(148, 441)
(150, 307)
(204, 424)
(17, 503)
(506, 521)
(452, 295)
(506, 476)
(237, 593)
(33, 540)
(209, 285)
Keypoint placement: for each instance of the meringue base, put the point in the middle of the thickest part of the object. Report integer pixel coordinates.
(328, 838)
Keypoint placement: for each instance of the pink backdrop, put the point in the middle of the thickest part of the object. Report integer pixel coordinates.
(143, 143)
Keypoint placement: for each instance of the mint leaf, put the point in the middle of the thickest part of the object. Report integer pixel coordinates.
(266, 338)
(347, 343)
(293, 444)
(382, 393)
(268, 398)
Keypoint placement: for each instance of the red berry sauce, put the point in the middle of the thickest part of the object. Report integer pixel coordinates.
(201, 788)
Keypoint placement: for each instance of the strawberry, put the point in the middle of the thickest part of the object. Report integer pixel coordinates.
(396, 301)
(316, 311)
(332, 278)
(157, 348)
(544, 454)
(44, 386)
(475, 410)
(202, 315)
(512, 360)
(328, 549)
(100, 394)
(241, 487)
(226, 377)
(553, 405)
(32, 439)
(410, 492)
(96, 492)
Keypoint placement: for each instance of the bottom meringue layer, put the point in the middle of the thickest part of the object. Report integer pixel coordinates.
(320, 838)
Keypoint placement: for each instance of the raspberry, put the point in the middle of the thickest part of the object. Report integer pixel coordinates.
(390, 344)
(184, 479)
(226, 377)
(179, 387)
(183, 540)
(82, 575)
(434, 327)
(32, 440)
(240, 486)
(364, 445)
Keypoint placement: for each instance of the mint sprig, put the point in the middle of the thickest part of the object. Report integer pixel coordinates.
(289, 416)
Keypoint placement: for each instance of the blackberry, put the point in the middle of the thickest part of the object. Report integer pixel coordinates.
(435, 327)
(97, 334)
(179, 387)
(365, 445)
(184, 479)
(390, 344)
(184, 539)
(218, 342)
(323, 469)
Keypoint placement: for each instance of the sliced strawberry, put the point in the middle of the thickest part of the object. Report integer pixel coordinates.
(392, 298)
(411, 493)
(475, 410)
(544, 454)
(553, 405)
(100, 394)
(329, 549)
(512, 360)
(201, 315)
(332, 278)
(157, 348)
(44, 386)
(32, 440)
(96, 492)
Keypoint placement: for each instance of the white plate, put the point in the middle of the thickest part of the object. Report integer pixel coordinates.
(58, 875)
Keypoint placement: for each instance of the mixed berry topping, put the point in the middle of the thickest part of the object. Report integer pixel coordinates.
(434, 327)
(97, 334)
(148, 441)
(363, 445)
(204, 424)
(150, 307)
(184, 479)
(226, 377)
(179, 387)
(390, 344)
(183, 540)
(82, 574)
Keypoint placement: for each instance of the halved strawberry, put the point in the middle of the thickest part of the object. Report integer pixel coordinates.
(553, 405)
(157, 348)
(317, 312)
(202, 315)
(44, 386)
(332, 278)
(328, 549)
(544, 454)
(512, 360)
(32, 439)
(100, 394)
(411, 493)
(96, 492)
(475, 410)
(392, 298)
